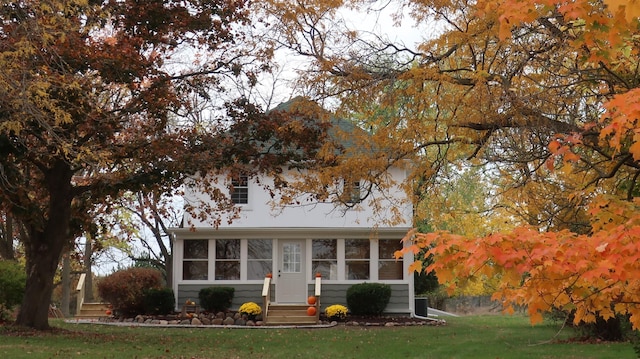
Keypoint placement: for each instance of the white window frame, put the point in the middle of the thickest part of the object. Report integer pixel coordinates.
(240, 187)
(216, 260)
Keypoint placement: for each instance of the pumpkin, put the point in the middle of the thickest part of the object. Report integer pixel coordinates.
(269, 275)
(318, 275)
(108, 312)
(311, 311)
(311, 300)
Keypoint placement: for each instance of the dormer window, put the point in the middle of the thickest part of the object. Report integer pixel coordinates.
(240, 190)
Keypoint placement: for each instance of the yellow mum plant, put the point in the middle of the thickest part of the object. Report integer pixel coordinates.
(336, 311)
(250, 308)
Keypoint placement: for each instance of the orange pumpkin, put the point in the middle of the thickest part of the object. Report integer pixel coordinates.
(269, 275)
(107, 312)
(318, 275)
(311, 300)
(311, 311)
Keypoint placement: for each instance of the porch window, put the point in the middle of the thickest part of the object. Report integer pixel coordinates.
(259, 258)
(240, 190)
(227, 265)
(357, 254)
(195, 265)
(388, 267)
(324, 258)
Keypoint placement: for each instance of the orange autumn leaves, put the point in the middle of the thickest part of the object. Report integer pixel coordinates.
(623, 112)
(610, 40)
(596, 275)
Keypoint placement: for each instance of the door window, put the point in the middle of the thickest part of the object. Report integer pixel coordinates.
(291, 258)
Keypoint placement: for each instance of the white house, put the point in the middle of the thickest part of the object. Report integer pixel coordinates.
(346, 245)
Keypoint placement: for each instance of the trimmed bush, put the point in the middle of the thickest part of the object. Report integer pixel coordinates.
(368, 298)
(159, 301)
(216, 299)
(125, 289)
(13, 280)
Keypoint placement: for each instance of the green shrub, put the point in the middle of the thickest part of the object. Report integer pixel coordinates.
(216, 299)
(159, 301)
(125, 289)
(368, 298)
(13, 279)
(437, 298)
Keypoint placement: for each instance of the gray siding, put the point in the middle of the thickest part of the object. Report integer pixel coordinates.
(331, 294)
(243, 293)
(337, 294)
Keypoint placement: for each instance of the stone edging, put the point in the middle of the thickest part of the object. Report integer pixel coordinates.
(213, 326)
(184, 323)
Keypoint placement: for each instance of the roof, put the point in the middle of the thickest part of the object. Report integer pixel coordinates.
(341, 131)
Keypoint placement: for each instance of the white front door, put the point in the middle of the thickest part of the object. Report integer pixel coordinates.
(291, 285)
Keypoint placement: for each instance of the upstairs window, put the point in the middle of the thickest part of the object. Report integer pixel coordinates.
(352, 192)
(240, 190)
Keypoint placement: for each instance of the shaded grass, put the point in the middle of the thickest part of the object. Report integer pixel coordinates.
(465, 337)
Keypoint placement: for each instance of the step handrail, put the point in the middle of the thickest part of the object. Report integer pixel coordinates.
(317, 291)
(266, 296)
(80, 292)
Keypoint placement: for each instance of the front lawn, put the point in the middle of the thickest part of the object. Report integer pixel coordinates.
(465, 337)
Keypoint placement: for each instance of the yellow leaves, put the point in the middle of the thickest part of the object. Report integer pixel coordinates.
(602, 31)
(11, 126)
(514, 12)
(416, 266)
(631, 8)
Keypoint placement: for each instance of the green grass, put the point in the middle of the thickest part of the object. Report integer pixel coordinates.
(465, 337)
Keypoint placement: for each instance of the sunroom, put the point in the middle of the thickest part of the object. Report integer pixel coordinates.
(241, 258)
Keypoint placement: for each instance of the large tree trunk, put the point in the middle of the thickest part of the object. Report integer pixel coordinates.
(43, 248)
(43, 256)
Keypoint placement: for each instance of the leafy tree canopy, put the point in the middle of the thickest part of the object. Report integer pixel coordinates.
(94, 98)
(542, 94)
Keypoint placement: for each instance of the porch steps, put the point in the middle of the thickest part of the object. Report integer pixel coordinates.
(289, 314)
(93, 310)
